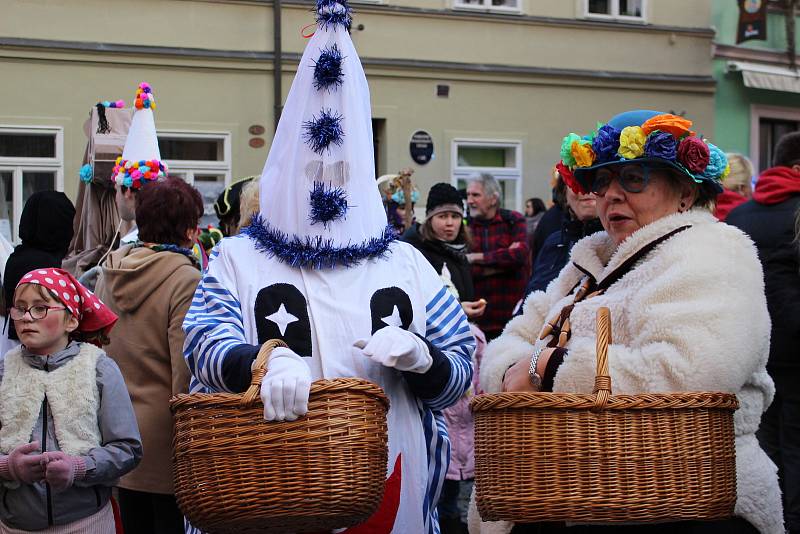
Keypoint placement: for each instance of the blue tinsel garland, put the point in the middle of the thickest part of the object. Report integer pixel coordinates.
(316, 253)
(327, 203)
(332, 13)
(320, 132)
(328, 69)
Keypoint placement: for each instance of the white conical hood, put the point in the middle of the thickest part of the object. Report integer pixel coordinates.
(142, 142)
(141, 159)
(328, 109)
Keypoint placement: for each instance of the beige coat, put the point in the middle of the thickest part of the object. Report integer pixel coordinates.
(151, 292)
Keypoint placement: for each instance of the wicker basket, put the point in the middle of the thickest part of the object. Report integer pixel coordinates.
(604, 458)
(235, 472)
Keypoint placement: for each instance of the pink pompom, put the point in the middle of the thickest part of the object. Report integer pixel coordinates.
(136, 174)
(144, 85)
(120, 104)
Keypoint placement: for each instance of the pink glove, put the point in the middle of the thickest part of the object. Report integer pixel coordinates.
(62, 470)
(21, 465)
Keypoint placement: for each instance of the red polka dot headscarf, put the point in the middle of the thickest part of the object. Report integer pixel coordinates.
(92, 314)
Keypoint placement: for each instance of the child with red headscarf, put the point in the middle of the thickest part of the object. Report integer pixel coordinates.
(68, 428)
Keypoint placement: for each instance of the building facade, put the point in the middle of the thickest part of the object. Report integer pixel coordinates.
(495, 84)
(758, 90)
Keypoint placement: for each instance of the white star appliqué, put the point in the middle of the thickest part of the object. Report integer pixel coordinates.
(282, 318)
(393, 319)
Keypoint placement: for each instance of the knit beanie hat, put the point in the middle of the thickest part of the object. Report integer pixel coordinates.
(443, 197)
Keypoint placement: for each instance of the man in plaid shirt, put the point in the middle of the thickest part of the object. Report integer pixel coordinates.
(500, 255)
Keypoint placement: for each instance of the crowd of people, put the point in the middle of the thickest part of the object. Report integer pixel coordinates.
(697, 259)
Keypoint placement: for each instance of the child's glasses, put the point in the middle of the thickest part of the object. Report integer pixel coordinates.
(37, 312)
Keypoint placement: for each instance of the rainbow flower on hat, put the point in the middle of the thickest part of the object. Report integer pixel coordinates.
(319, 205)
(643, 136)
(141, 159)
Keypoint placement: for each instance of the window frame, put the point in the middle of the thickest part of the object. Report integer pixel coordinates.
(187, 169)
(615, 16)
(758, 112)
(501, 173)
(486, 7)
(19, 165)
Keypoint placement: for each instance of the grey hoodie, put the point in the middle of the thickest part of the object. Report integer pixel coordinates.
(35, 506)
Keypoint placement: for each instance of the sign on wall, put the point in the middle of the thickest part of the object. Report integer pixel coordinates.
(421, 147)
(752, 20)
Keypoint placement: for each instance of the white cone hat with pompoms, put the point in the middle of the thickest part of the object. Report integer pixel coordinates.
(141, 159)
(320, 207)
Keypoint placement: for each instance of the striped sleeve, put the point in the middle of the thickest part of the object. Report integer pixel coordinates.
(213, 326)
(451, 344)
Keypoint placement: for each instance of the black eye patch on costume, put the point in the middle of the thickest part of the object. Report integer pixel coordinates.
(281, 313)
(390, 306)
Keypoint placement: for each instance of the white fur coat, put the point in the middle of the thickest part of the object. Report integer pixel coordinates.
(691, 316)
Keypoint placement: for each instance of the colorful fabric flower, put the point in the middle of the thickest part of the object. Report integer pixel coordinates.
(569, 179)
(661, 145)
(717, 163)
(631, 142)
(583, 153)
(673, 124)
(566, 149)
(693, 153)
(606, 143)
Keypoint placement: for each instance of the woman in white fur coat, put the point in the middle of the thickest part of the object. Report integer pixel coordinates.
(688, 311)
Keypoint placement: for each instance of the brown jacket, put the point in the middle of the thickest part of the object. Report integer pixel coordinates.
(150, 292)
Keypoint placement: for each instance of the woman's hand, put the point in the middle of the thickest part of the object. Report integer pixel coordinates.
(517, 378)
(474, 309)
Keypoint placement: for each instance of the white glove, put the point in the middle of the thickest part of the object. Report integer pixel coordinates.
(286, 386)
(394, 347)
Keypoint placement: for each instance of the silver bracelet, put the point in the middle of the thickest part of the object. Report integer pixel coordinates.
(533, 376)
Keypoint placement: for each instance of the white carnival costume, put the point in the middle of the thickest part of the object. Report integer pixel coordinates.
(319, 268)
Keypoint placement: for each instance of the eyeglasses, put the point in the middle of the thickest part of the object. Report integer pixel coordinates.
(36, 312)
(632, 178)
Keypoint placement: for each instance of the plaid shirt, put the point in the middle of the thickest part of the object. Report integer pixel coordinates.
(501, 277)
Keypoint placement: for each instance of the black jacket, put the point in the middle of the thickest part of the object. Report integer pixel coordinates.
(438, 255)
(45, 228)
(771, 227)
(551, 221)
(555, 250)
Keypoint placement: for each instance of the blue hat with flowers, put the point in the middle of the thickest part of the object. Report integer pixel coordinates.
(643, 136)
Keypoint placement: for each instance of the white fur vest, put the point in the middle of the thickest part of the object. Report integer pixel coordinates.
(691, 316)
(72, 396)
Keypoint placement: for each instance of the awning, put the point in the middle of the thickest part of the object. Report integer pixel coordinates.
(760, 76)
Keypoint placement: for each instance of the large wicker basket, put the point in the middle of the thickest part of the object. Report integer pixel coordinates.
(602, 457)
(235, 472)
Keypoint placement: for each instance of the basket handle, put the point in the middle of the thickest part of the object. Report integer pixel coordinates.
(259, 370)
(602, 380)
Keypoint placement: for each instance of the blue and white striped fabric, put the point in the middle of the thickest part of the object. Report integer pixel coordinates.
(447, 330)
(213, 325)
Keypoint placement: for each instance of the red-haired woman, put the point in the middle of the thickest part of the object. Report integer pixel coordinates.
(149, 285)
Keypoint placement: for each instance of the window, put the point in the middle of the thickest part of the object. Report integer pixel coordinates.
(501, 159)
(767, 125)
(489, 5)
(769, 132)
(203, 160)
(31, 160)
(615, 9)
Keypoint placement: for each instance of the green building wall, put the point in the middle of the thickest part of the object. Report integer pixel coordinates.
(733, 99)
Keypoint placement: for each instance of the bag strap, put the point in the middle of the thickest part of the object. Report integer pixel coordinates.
(559, 326)
(631, 262)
